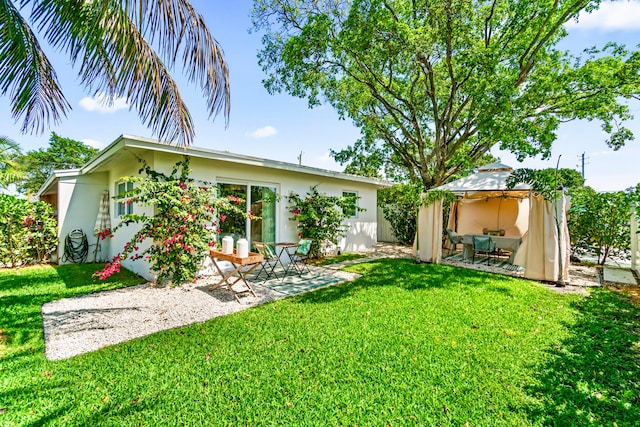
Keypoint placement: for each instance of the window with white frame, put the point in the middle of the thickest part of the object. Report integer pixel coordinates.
(352, 213)
(123, 208)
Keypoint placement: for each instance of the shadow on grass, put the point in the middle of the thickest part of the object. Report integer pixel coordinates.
(78, 275)
(593, 377)
(13, 279)
(408, 275)
(24, 291)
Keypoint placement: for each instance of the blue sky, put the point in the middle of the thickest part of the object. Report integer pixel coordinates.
(280, 127)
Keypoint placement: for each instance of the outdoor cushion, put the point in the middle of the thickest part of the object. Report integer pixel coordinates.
(304, 246)
(453, 237)
(483, 244)
(269, 253)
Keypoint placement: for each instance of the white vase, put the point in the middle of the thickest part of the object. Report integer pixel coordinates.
(227, 245)
(242, 248)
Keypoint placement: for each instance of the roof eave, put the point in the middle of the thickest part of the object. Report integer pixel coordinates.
(54, 176)
(149, 144)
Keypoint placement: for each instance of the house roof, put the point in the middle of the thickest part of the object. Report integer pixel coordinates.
(136, 142)
(490, 180)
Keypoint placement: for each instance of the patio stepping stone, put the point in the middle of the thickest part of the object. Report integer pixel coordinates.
(619, 275)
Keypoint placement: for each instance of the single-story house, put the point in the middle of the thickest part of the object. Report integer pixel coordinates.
(76, 194)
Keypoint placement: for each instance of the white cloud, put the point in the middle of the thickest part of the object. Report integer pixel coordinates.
(611, 16)
(263, 132)
(100, 103)
(325, 158)
(93, 143)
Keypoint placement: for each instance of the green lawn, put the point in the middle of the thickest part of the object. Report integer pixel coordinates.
(334, 259)
(406, 344)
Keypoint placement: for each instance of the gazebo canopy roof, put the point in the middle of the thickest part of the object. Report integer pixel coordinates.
(489, 181)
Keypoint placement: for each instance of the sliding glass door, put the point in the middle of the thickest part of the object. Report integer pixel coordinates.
(263, 206)
(259, 203)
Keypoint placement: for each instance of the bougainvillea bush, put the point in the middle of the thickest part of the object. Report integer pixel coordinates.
(182, 230)
(321, 217)
(28, 231)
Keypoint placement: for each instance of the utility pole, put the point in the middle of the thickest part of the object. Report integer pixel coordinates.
(300, 159)
(582, 163)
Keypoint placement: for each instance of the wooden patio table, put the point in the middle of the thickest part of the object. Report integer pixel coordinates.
(250, 262)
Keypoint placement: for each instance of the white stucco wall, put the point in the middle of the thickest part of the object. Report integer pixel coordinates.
(81, 202)
(127, 165)
(78, 202)
(362, 233)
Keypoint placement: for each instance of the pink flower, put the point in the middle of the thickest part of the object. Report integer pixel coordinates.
(109, 269)
(222, 217)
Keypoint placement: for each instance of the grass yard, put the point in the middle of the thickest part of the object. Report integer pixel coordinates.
(406, 344)
(334, 259)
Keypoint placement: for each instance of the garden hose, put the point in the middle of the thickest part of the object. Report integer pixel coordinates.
(76, 247)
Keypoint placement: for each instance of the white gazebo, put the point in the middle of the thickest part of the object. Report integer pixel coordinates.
(484, 202)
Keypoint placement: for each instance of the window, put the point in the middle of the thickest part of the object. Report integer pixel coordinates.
(123, 208)
(352, 213)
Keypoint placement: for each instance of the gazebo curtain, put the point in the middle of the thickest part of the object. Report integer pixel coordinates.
(429, 236)
(539, 250)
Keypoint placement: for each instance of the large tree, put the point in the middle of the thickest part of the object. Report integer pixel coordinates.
(62, 153)
(111, 43)
(438, 83)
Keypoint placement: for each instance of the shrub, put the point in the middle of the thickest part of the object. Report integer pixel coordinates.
(321, 217)
(400, 205)
(182, 230)
(28, 231)
(599, 223)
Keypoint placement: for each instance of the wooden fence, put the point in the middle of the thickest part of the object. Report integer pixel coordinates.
(384, 229)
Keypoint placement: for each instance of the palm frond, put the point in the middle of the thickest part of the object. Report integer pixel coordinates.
(8, 147)
(108, 39)
(178, 26)
(26, 74)
(10, 168)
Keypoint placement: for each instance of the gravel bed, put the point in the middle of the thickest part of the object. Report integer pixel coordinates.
(74, 326)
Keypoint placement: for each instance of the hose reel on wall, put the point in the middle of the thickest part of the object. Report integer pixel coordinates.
(76, 247)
